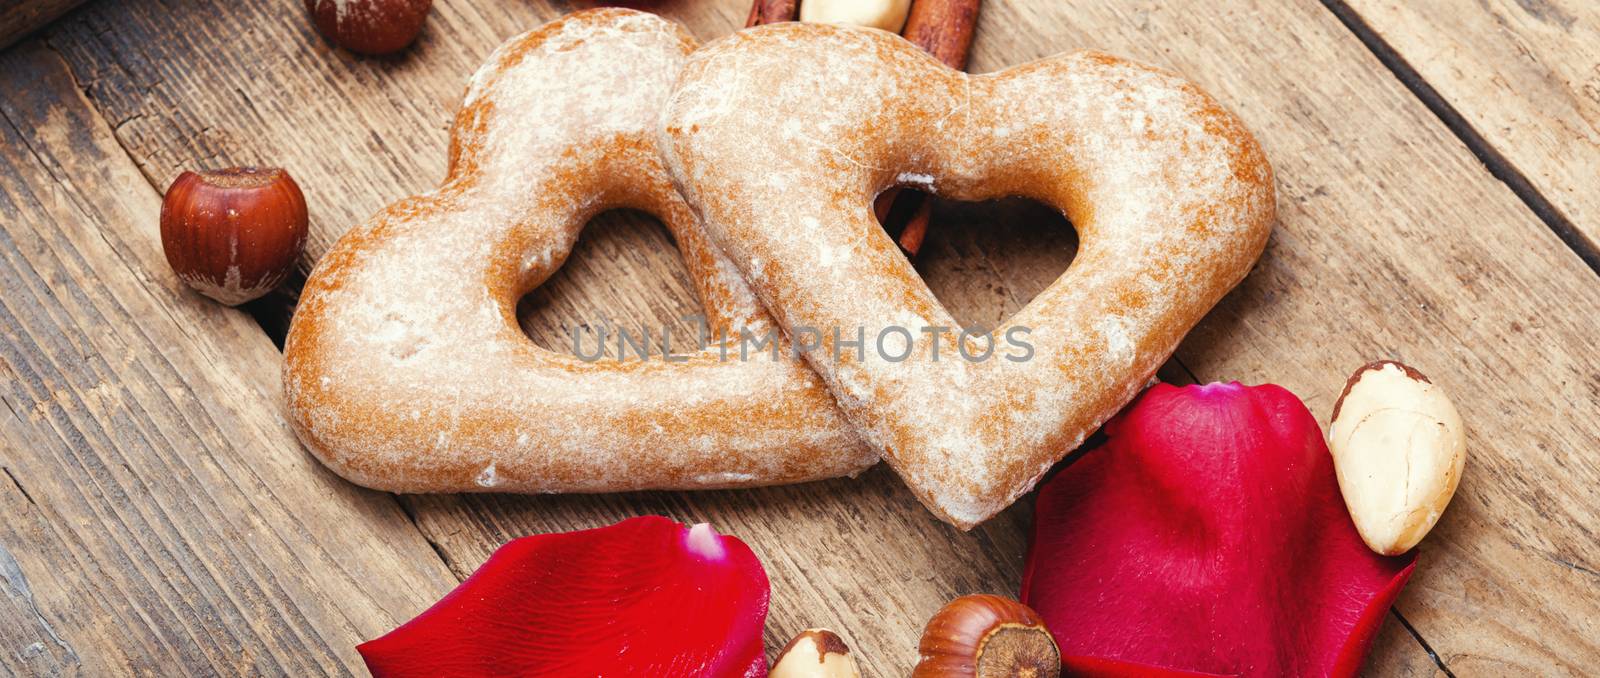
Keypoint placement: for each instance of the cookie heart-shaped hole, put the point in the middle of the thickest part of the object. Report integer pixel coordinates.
(985, 260)
(624, 278)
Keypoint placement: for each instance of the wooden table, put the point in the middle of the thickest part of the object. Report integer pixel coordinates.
(1437, 165)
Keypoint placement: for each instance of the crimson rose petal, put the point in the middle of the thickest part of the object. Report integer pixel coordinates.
(1207, 535)
(645, 597)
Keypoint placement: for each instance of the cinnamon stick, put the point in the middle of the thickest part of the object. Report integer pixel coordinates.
(944, 28)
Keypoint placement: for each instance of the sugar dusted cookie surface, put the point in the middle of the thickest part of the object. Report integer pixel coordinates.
(780, 137)
(405, 369)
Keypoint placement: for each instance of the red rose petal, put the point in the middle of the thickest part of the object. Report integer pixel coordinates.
(1207, 535)
(644, 597)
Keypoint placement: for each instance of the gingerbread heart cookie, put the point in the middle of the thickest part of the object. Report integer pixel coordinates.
(405, 369)
(781, 136)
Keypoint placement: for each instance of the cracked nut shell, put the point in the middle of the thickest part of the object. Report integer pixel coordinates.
(1398, 448)
(815, 653)
(987, 636)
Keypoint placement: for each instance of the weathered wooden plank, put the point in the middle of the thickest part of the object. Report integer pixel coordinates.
(861, 556)
(159, 511)
(879, 598)
(21, 17)
(32, 645)
(1523, 74)
(1393, 242)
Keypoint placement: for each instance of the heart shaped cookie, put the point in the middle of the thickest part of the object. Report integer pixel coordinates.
(781, 136)
(405, 369)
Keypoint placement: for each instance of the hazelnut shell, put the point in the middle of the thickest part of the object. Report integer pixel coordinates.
(233, 234)
(987, 636)
(374, 27)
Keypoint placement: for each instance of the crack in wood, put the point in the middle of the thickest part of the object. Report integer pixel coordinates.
(18, 483)
(1572, 565)
(1498, 165)
(1437, 660)
(15, 586)
(1175, 360)
(411, 514)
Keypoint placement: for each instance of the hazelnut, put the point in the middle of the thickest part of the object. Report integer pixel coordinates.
(233, 234)
(1398, 447)
(369, 26)
(889, 15)
(815, 653)
(985, 636)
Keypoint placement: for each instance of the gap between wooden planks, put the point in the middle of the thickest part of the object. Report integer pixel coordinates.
(1518, 80)
(1367, 263)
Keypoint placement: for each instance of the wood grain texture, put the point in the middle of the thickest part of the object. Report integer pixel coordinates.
(159, 513)
(21, 17)
(1394, 242)
(1525, 74)
(827, 580)
(809, 536)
